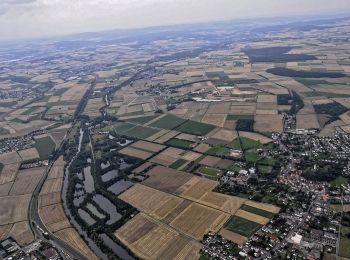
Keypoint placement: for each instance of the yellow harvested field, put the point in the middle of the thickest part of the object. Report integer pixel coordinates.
(252, 217)
(10, 158)
(196, 187)
(191, 156)
(147, 146)
(210, 161)
(202, 148)
(255, 136)
(27, 180)
(22, 233)
(130, 151)
(150, 239)
(166, 137)
(155, 242)
(29, 154)
(268, 123)
(163, 159)
(214, 119)
(157, 135)
(263, 206)
(142, 168)
(57, 226)
(14, 208)
(5, 189)
(4, 230)
(219, 108)
(166, 179)
(197, 220)
(72, 238)
(226, 203)
(267, 99)
(50, 198)
(167, 207)
(243, 110)
(234, 237)
(346, 207)
(52, 214)
(52, 185)
(144, 198)
(307, 121)
(8, 173)
(225, 135)
(56, 172)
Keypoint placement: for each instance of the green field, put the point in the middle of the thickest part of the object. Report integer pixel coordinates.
(219, 150)
(339, 181)
(209, 171)
(257, 211)
(237, 117)
(195, 128)
(244, 143)
(242, 226)
(59, 92)
(179, 143)
(344, 245)
(235, 144)
(264, 169)
(142, 120)
(45, 147)
(312, 82)
(119, 129)
(140, 132)
(168, 122)
(324, 94)
(4, 131)
(178, 164)
(252, 156)
(249, 143)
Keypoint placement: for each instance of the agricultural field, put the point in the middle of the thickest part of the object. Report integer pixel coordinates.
(197, 220)
(133, 152)
(166, 180)
(168, 122)
(29, 154)
(45, 146)
(26, 181)
(242, 226)
(72, 238)
(14, 208)
(195, 128)
(152, 240)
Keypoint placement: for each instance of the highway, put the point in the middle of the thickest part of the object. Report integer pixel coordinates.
(38, 228)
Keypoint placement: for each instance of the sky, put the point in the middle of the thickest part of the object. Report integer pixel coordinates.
(20, 19)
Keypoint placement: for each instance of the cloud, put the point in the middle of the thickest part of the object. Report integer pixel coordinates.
(35, 18)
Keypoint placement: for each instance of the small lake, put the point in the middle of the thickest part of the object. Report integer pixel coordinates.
(120, 186)
(88, 180)
(95, 211)
(108, 207)
(110, 175)
(86, 217)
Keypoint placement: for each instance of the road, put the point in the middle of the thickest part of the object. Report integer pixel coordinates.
(38, 227)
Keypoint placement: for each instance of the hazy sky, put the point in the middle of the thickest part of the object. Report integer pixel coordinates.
(36, 18)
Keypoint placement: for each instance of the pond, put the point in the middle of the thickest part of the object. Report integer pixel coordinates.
(110, 175)
(88, 180)
(120, 186)
(86, 217)
(95, 211)
(108, 207)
